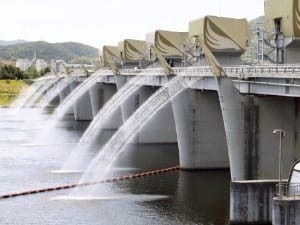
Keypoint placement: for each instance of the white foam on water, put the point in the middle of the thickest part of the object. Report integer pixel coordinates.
(115, 197)
(66, 171)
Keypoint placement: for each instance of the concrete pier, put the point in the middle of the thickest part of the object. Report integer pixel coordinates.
(286, 211)
(274, 112)
(108, 91)
(200, 130)
(161, 128)
(251, 201)
(64, 93)
(82, 108)
(232, 109)
(96, 97)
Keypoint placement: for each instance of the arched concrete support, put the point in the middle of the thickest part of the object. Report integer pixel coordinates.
(129, 106)
(251, 197)
(96, 97)
(108, 91)
(231, 103)
(64, 93)
(297, 128)
(200, 130)
(249, 123)
(82, 108)
(161, 128)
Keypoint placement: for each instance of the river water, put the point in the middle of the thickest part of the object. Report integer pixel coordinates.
(32, 146)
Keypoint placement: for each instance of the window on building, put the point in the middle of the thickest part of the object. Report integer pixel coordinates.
(277, 22)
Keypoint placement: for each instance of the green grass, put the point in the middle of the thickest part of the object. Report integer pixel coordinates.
(9, 90)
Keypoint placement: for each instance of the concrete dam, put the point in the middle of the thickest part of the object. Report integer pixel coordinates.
(193, 89)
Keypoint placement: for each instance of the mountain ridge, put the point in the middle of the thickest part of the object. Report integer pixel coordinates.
(68, 51)
(11, 42)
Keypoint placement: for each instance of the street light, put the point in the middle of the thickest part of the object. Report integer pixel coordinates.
(282, 134)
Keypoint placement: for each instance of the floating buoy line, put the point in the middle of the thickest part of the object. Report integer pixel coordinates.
(117, 179)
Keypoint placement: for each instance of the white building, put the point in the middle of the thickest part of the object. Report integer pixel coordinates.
(40, 64)
(23, 64)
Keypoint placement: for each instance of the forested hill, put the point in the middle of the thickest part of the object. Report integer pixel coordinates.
(68, 51)
(14, 42)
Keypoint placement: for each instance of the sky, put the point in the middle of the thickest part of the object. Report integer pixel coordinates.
(106, 22)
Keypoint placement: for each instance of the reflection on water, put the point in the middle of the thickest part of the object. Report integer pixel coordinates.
(204, 194)
(178, 197)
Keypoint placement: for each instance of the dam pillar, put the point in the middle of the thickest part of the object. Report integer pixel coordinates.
(82, 108)
(275, 112)
(200, 130)
(96, 97)
(251, 198)
(130, 105)
(232, 109)
(64, 93)
(251, 201)
(108, 90)
(286, 210)
(160, 128)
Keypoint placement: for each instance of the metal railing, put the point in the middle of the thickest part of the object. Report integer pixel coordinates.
(236, 71)
(288, 190)
(183, 71)
(145, 72)
(232, 71)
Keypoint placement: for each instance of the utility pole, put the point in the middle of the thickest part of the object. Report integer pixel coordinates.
(281, 136)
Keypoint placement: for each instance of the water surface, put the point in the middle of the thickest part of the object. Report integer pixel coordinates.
(30, 148)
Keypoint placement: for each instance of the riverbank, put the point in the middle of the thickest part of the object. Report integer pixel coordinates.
(9, 90)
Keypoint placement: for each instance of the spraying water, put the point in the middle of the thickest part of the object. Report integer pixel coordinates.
(35, 97)
(24, 97)
(55, 90)
(102, 163)
(62, 109)
(100, 122)
(76, 94)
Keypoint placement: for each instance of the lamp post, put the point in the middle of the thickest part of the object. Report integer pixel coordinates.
(281, 136)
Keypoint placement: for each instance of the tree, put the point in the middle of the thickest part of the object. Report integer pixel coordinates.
(45, 71)
(31, 73)
(10, 72)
